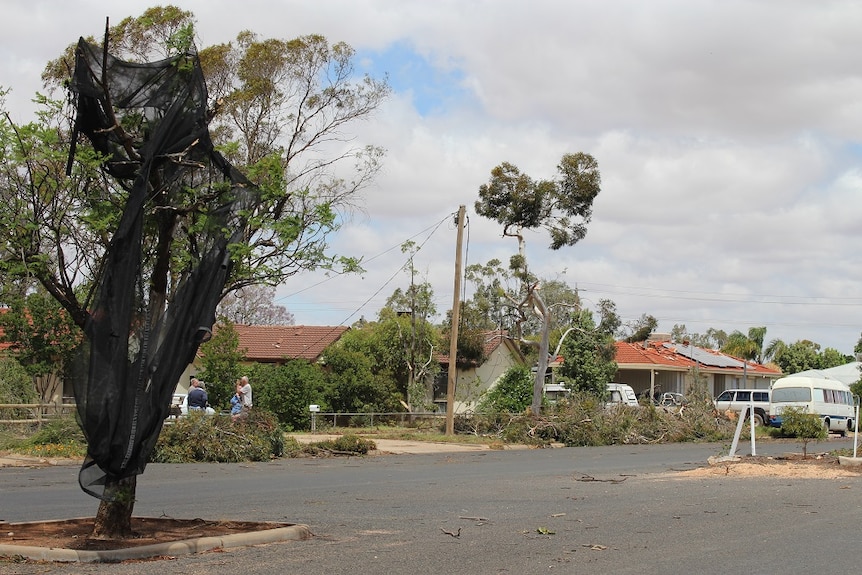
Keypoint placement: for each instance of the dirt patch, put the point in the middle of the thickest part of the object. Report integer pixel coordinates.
(75, 533)
(813, 466)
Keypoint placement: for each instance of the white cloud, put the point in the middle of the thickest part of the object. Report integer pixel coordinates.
(727, 134)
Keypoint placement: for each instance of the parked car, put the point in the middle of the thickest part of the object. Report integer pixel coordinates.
(740, 400)
(180, 406)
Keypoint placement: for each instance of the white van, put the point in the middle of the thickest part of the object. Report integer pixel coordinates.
(829, 398)
(622, 393)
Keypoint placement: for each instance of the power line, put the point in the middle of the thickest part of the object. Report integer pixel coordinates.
(371, 259)
(720, 297)
(435, 227)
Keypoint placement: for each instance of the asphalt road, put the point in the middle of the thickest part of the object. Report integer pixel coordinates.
(574, 510)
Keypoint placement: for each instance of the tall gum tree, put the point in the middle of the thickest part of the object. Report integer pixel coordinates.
(561, 206)
(176, 211)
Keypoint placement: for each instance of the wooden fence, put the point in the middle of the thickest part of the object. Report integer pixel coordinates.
(33, 413)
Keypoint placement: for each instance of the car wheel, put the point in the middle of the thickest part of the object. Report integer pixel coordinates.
(758, 419)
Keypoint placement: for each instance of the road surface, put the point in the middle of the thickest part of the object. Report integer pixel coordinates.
(618, 509)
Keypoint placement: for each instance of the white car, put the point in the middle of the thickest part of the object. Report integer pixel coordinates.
(740, 399)
(180, 405)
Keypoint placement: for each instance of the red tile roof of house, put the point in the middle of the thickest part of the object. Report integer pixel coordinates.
(671, 355)
(270, 343)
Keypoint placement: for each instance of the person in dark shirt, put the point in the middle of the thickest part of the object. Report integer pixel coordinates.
(197, 395)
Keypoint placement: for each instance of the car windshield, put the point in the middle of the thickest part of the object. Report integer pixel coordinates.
(786, 394)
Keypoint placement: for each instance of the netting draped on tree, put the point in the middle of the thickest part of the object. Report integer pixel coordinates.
(150, 313)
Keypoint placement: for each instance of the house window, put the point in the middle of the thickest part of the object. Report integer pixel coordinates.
(441, 386)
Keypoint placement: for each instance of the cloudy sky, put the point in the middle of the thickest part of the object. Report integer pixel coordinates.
(728, 135)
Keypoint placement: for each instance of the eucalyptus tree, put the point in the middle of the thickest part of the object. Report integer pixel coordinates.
(561, 206)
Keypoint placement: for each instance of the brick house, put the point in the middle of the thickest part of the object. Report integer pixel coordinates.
(660, 365)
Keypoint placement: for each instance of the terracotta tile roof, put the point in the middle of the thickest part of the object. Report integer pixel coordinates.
(670, 355)
(270, 343)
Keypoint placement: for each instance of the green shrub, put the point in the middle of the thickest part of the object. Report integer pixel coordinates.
(797, 422)
(62, 430)
(513, 393)
(345, 444)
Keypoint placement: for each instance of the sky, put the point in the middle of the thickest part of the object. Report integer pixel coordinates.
(728, 135)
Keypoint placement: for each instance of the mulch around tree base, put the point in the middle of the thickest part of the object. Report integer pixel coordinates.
(75, 533)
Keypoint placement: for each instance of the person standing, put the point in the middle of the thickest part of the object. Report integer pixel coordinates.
(235, 405)
(197, 395)
(243, 389)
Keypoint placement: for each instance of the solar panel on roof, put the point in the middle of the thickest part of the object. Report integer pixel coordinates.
(706, 358)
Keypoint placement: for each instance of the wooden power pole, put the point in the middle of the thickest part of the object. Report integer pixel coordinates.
(453, 333)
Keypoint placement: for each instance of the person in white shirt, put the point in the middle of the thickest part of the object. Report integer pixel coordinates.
(243, 389)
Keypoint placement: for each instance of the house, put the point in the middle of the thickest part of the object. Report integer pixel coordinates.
(659, 365)
(848, 373)
(471, 381)
(276, 344)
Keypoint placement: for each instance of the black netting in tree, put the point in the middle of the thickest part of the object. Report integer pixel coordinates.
(148, 317)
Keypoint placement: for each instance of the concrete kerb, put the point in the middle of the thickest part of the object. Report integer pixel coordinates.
(296, 532)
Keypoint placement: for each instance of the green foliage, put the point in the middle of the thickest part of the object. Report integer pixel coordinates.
(359, 373)
(402, 344)
(797, 422)
(588, 357)
(216, 438)
(799, 356)
(42, 335)
(512, 394)
(562, 206)
(16, 385)
(287, 391)
(352, 387)
(220, 359)
(642, 328)
(748, 347)
(58, 431)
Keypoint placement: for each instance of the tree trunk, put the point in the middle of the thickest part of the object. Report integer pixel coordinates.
(541, 310)
(114, 518)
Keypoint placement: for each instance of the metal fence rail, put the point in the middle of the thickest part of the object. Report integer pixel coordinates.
(359, 419)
